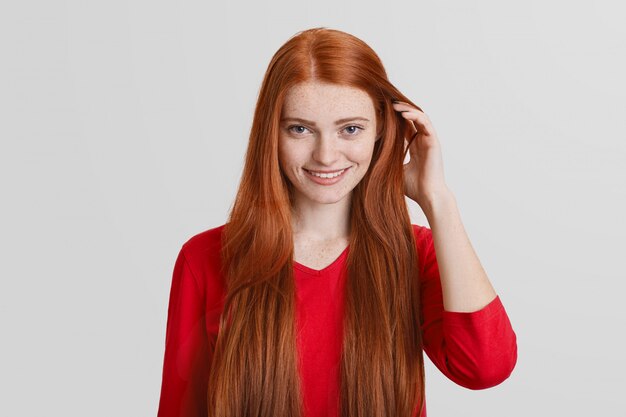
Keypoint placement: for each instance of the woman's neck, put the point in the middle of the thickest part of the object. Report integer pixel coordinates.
(322, 222)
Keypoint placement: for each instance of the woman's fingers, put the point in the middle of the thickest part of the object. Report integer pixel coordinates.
(417, 116)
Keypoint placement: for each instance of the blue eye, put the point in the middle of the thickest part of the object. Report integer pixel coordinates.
(356, 131)
(350, 133)
(295, 126)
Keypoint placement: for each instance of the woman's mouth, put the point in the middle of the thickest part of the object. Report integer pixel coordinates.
(326, 178)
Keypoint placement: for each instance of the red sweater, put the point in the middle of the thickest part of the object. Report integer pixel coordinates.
(476, 350)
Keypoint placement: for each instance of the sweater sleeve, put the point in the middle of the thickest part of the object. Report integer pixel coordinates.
(476, 350)
(187, 351)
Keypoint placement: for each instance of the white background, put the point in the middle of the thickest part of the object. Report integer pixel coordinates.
(123, 126)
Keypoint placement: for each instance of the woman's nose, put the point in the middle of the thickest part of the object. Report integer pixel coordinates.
(326, 151)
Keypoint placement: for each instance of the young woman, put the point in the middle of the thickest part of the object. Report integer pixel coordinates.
(318, 296)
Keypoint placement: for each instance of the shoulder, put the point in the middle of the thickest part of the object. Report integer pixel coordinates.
(202, 253)
(423, 236)
(204, 243)
(425, 251)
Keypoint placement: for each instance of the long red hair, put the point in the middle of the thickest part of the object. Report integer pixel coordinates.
(255, 364)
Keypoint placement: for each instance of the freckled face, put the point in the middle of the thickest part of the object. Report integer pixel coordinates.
(326, 127)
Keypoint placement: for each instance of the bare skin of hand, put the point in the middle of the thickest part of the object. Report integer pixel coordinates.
(423, 175)
(465, 284)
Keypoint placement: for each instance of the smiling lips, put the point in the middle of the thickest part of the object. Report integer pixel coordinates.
(326, 178)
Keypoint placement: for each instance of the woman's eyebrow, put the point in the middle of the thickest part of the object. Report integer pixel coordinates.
(337, 122)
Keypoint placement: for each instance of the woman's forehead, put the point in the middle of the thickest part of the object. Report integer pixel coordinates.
(327, 101)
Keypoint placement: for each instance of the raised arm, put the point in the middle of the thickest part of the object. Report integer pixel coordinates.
(466, 331)
(465, 284)
(476, 349)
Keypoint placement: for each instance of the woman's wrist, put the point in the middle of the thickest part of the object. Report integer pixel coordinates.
(437, 202)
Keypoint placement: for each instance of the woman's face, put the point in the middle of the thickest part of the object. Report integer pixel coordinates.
(326, 127)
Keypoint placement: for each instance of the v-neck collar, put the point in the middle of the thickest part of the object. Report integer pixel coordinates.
(329, 268)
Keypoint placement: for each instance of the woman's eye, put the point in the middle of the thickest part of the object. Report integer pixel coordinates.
(354, 132)
(290, 128)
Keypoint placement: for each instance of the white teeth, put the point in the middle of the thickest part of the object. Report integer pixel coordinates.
(327, 175)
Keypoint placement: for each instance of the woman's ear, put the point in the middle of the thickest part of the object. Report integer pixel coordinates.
(379, 134)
